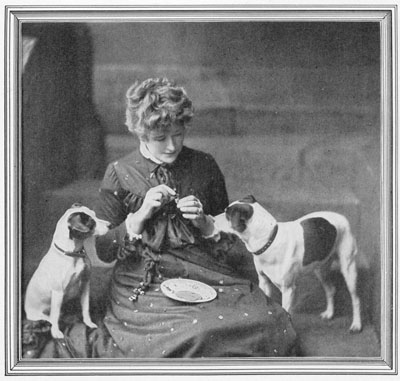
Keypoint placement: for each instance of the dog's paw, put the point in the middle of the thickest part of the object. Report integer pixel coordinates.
(56, 333)
(89, 323)
(355, 328)
(326, 315)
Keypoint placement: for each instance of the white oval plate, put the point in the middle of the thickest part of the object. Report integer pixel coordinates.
(188, 291)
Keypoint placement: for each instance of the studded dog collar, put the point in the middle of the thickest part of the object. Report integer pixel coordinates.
(77, 254)
(269, 243)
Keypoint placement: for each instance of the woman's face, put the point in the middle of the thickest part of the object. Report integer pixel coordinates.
(166, 145)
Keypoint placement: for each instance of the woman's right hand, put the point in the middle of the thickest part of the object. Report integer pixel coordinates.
(154, 199)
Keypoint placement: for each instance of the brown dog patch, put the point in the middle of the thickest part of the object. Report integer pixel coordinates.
(319, 238)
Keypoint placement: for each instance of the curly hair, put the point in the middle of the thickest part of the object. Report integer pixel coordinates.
(155, 104)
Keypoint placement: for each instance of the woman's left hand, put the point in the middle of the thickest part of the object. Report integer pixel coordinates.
(192, 209)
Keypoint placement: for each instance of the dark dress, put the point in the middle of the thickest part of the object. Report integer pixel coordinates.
(240, 322)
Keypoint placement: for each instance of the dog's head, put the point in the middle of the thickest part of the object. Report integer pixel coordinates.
(82, 222)
(238, 214)
(243, 217)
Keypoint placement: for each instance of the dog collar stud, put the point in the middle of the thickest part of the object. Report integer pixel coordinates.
(269, 243)
(77, 254)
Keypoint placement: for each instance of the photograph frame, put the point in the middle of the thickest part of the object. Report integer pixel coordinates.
(386, 15)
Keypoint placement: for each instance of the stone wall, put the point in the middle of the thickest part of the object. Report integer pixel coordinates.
(245, 78)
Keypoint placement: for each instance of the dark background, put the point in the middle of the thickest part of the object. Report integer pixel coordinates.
(290, 110)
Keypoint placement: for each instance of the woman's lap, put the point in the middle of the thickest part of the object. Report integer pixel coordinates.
(240, 322)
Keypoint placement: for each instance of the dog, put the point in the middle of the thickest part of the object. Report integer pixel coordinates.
(282, 249)
(64, 271)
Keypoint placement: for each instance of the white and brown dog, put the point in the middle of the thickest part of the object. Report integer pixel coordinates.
(64, 271)
(281, 249)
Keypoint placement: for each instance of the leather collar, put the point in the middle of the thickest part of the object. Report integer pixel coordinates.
(76, 254)
(269, 243)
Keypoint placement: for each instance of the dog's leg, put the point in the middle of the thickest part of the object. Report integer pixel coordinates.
(264, 284)
(347, 253)
(287, 298)
(350, 277)
(56, 302)
(330, 291)
(85, 306)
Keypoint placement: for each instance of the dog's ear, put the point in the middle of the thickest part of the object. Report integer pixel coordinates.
(250, 199)
(238, 215)
(76, 205)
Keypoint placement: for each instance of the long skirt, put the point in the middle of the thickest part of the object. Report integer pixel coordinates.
(240, 322)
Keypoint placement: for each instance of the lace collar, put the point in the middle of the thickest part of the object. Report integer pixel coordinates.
(147, 154)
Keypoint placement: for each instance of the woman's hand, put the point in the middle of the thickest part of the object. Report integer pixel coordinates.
(192, 209)
(154, 199)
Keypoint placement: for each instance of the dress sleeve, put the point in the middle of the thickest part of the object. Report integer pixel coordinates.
(218, 196)
(110, 205)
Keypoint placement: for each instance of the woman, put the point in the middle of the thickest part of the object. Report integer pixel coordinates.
(167, 193)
